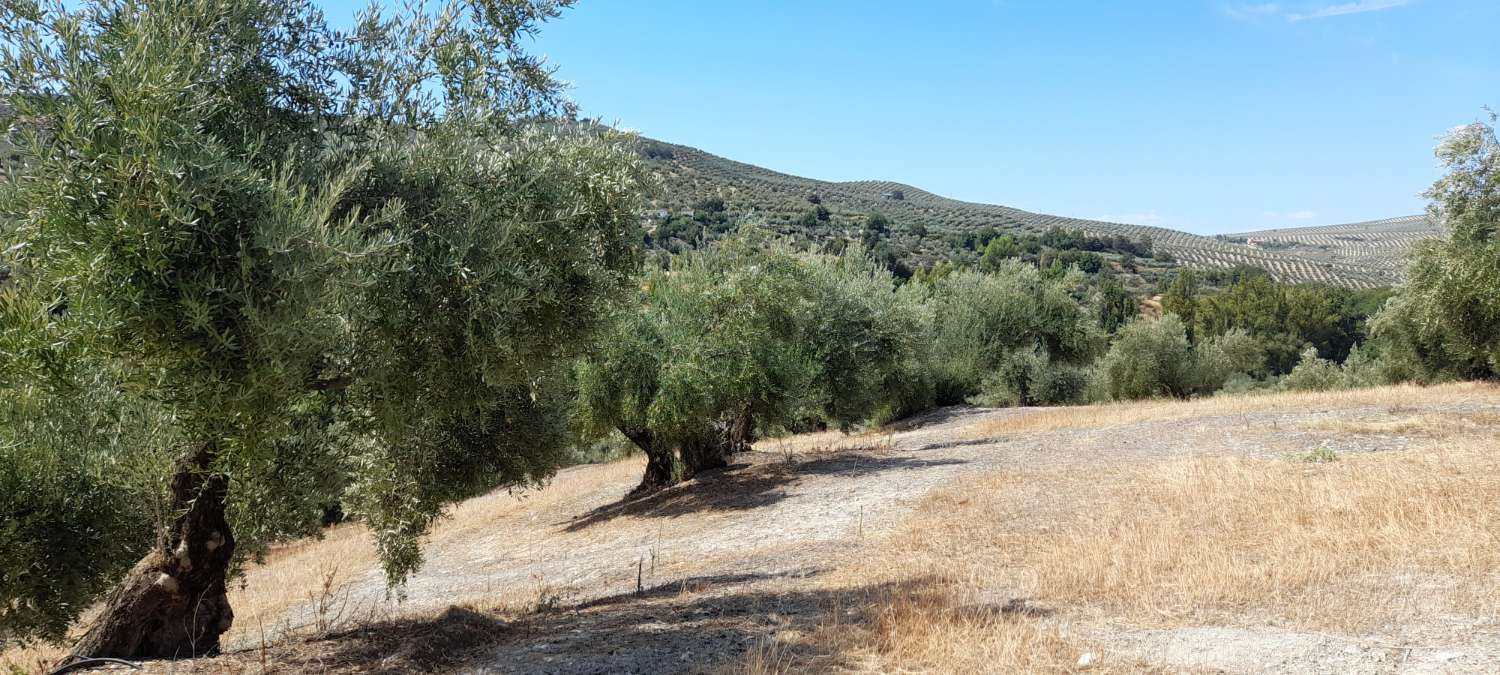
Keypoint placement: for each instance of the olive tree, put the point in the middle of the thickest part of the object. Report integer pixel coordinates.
(983, 322)
(742, 336)
(296, 265)
(1154, 358)
(1444, 321)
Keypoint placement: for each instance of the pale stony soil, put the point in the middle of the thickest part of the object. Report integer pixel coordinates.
(732, 559)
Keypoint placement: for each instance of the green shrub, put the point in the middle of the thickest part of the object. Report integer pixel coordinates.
(980, 320)
(1030, 377)
(1149, 359)
(1221, 357)
(1314, 373)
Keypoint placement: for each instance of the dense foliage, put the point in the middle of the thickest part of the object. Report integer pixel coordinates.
(1001, 332)
(1445, 319)
(332, 266)
(743, 336)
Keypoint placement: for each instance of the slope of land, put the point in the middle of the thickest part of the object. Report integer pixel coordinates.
(1342, 532)
(1375, 244)
(1328, 254)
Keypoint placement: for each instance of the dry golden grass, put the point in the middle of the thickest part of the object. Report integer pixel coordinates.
(1122, 413)
(1363, 543)
(1377, 543)
(1434, 425)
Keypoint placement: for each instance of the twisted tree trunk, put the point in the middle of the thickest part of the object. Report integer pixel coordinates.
(712, 450)
(659, 461)
(172, 604)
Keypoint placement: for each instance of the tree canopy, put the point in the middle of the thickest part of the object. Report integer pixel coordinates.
(261, 251)
(748, 335)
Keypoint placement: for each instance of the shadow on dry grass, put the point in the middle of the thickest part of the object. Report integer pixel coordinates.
(687, 625)
(746, 486)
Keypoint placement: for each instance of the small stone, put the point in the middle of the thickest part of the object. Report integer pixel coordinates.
(1086, 660)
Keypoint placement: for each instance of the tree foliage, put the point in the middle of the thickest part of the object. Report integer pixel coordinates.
(748, 335)
(1445, 320)
(324, 261)
(980, 320)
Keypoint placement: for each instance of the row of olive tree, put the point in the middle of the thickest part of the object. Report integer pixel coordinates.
(754, 336)
(253, 265)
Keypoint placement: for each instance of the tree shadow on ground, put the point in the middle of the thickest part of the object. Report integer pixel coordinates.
(747, 485)
(682, 626)
(934, 416)
(689, 625)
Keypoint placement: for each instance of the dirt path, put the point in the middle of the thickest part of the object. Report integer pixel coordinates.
(702, 572)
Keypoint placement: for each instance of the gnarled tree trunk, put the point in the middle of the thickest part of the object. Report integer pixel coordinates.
(172, 604)
(659, 461)
(712, 450)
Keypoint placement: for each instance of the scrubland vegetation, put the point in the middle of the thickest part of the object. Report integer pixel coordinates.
(261, 276)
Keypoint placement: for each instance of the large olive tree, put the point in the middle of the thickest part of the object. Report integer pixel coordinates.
(254, 265)
(747, 335)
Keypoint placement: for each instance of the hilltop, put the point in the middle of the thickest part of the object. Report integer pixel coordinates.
(928, 227)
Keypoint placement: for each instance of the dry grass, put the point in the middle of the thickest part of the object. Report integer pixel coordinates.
(1366, 543)
(1123, 413)
(1433, 425)
(922, 626)
(1384, 543)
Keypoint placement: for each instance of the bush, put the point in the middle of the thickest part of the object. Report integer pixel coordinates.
(1219, 358)
(980, 320)
(1029, 377)
(1149, 359)
(1314, 373)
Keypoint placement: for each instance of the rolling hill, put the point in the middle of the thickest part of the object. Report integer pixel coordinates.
(1355, 255)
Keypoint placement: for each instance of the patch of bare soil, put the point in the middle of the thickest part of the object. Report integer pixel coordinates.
(577, 578)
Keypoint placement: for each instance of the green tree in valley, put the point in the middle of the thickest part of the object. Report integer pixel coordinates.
(981, 320)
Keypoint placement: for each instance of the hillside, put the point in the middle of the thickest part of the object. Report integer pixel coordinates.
(1375, 244)
(1357, 255)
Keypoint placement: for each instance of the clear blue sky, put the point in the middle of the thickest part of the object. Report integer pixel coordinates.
(1200, 115)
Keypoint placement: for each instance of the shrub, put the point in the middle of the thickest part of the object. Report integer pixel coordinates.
(1030, 377)
(1148, 359)
(1217, 359)
(979, 320)
(1314, 373)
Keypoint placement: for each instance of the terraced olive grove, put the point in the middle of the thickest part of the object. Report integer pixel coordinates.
(925, 225)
